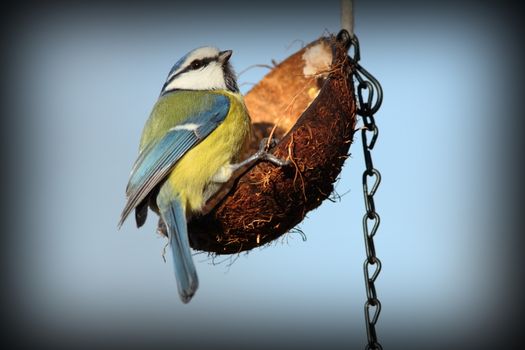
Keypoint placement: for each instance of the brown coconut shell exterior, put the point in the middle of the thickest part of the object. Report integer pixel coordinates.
(266, 201)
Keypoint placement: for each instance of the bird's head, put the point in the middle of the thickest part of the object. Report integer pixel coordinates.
(205, 68)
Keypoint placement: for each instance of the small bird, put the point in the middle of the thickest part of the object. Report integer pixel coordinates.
(188, 149)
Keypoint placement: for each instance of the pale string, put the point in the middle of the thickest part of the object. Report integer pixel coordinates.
(347, 16)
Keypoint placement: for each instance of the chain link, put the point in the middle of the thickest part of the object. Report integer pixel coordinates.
(368, 88)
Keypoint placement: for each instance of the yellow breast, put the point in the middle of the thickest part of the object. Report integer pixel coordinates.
(194, 171)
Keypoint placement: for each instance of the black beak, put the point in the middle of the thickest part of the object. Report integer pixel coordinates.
(224, 56)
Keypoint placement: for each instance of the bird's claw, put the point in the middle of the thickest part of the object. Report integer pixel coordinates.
(263, 154)
(266, 143)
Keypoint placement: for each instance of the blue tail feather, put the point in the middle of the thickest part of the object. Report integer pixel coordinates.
(174, 216)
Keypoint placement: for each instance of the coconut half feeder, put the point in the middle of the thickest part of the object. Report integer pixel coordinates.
(307, 103)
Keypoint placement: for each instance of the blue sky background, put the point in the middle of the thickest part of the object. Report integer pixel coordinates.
(89, 77)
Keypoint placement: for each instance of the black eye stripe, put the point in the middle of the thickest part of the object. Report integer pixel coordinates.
(196, 64)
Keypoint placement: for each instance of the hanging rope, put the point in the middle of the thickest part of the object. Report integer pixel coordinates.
(347, 16)
(367, 88)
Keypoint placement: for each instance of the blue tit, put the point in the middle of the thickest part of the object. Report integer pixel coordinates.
(189, 146)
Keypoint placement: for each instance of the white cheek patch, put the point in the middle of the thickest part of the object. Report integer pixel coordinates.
(188, 126)
(210, 77)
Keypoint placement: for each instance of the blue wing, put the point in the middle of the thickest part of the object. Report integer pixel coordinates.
(158, 158)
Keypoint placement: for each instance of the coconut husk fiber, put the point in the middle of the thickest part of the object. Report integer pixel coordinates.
(308, 102)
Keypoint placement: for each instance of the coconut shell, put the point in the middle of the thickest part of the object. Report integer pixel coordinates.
(314, 116)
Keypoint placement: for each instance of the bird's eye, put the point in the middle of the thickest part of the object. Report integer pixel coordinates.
(196, 64)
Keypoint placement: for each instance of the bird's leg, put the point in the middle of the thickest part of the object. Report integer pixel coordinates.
(262, 154)
(224, 174)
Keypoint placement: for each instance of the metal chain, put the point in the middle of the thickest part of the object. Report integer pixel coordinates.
(367, 87)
